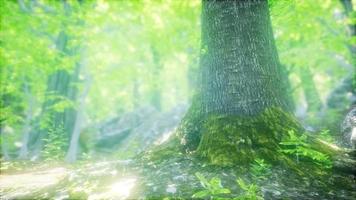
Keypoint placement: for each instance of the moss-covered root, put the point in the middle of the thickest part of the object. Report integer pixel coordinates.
(232, 140)
(189, 130)
(169, 149)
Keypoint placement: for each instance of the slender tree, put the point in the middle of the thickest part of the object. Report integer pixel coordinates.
(155, 77)
(27, 125)
(78, 122)
(61, 86)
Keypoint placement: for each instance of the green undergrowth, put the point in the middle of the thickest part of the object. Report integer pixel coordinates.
(214, 189)
(299, 147)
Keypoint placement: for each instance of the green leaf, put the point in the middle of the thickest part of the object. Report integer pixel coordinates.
(242, 184)
(201, 194)
(202, 180)
(215, 182)
(222, 191)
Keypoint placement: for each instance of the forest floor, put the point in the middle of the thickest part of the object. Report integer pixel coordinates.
(175, 178)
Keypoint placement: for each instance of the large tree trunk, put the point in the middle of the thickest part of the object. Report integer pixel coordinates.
(241, 74)
(240, 70)
(242, 110)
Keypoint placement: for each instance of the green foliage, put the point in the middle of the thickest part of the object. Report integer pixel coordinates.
(260, 169)
(326, 135)
(131, 48)
(298, 146)
(55, 144)
(251, 191)
(212, 189)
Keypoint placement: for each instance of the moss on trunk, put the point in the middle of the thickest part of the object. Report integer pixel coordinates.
(233, 140)
(229, 140)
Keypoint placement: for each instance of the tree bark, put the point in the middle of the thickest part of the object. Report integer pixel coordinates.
(241, 73)
(241, 111)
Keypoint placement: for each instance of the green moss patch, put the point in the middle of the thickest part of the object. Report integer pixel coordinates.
(234, 140)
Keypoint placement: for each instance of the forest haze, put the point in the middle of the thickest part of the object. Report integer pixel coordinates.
(177, 99)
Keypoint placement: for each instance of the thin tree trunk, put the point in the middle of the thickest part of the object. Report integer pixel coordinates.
(27, 126)
(136, 95)
(155, 79)
(74, 141)
(348, 8)
(60, 84)
(4, 147)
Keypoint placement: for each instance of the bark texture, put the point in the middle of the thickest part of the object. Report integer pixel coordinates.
(242, 110)
(241, 73)
(240, 70)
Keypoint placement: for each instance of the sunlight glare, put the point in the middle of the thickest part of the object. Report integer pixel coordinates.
(123, 188)
(118, 190)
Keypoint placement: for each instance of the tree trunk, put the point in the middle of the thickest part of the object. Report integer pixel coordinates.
(155, 79)
(241, 74)
(348, 8)
(136, 93)
(241, 111)
(61, 86)
(3, 143)
(74, 141)
(27, 126)
(241, 78)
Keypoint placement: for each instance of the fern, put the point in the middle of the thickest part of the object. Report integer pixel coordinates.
(297, 145)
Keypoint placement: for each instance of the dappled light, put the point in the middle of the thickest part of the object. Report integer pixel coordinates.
(177, 99)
